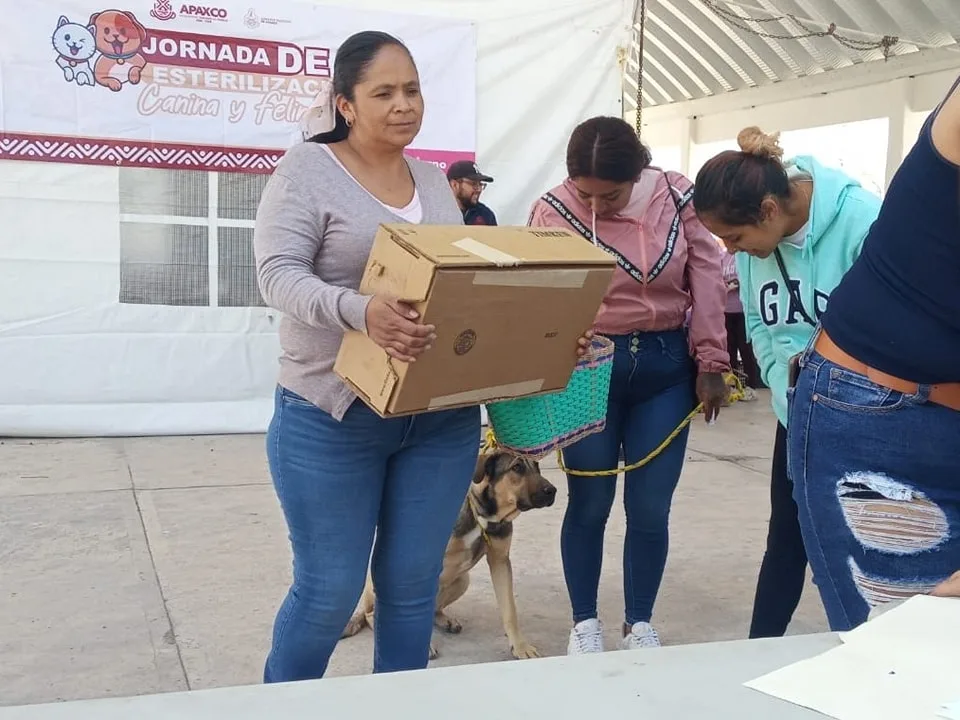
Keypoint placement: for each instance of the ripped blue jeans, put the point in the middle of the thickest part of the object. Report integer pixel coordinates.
(876, 477)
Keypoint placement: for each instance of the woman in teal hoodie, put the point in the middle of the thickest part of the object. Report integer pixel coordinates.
(797, 227)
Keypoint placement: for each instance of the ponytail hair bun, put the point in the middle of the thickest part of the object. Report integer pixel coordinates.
(754, 141)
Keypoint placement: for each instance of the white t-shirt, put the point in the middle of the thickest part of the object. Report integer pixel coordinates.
(412, 212)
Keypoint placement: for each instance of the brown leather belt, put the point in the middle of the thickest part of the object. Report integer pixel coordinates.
(946, 394)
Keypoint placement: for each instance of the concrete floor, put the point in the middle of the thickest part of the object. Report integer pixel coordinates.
(144, 565)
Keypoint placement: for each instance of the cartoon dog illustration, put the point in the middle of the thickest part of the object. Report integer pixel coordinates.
(119, 38)
(75, 46)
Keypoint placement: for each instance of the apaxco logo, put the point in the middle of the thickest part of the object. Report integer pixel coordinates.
(203, 12)
(164, 10)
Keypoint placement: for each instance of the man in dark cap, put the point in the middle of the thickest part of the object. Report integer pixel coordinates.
(467, 183)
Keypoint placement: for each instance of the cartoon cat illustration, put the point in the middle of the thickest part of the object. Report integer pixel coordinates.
(75, 45)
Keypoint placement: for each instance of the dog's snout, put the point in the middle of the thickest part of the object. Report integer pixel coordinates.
(545, 495)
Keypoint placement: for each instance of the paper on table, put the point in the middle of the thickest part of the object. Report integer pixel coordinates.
(922, 621)
(903, 664)
(951, 711)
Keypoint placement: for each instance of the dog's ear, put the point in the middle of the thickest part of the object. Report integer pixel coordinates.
(141, 30)
(490, 467)
(486, 467)
(480, 472)
(93, 20)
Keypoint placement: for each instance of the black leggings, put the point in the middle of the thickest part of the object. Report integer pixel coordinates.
(784, 567)
(741, 351)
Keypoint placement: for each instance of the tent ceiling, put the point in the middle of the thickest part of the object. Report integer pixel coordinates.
(695, 48)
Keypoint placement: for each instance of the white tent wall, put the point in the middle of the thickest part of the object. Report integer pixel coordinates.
(75, 362)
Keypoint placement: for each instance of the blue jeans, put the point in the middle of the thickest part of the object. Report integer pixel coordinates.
(339, 484)
(876, 478)
(651, 391)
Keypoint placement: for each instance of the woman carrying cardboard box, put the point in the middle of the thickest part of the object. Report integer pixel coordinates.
(667, 264)
(343, 475)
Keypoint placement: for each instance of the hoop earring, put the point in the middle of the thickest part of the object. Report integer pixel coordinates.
(349, 122)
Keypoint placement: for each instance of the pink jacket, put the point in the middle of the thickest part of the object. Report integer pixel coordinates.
(673, 264)
(734, 305)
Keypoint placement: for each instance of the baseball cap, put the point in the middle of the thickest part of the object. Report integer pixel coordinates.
(467, 170)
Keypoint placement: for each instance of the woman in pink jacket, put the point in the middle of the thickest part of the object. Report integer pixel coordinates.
(667, 263)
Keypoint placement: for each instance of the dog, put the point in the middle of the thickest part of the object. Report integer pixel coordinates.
(75, 46)
(120, 36)
(504, 485)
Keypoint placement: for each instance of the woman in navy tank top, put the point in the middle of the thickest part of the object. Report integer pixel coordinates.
(874, 418)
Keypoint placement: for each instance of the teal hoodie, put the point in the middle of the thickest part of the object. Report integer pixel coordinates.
(841, 213)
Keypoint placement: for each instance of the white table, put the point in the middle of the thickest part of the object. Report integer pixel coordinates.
(701, 682)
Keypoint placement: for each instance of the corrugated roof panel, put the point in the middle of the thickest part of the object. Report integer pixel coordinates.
(698, 48)
(694, 54)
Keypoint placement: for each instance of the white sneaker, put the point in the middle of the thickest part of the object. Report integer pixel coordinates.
(749, 395)
(585, 638)
(642, 635)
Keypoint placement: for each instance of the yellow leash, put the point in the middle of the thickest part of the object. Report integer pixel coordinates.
(736, 394)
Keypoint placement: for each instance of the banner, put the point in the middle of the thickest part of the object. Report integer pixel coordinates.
(220, 87)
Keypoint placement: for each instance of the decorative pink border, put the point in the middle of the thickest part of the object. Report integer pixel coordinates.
(166, 156)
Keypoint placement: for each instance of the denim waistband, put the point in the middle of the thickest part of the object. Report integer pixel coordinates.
(639, 338)
(814, 360)
(675, 332)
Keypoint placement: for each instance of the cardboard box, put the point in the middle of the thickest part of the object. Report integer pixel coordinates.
(509, 304)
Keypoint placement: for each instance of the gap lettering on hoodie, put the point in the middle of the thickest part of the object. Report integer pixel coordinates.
(770, 303)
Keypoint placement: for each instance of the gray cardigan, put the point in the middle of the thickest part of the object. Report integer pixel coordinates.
(315, 227)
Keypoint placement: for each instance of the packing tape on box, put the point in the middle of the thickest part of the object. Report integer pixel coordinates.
(485, 252)
(566, 279)
(497, 392)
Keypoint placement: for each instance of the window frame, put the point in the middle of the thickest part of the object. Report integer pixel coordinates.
(213, 222)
